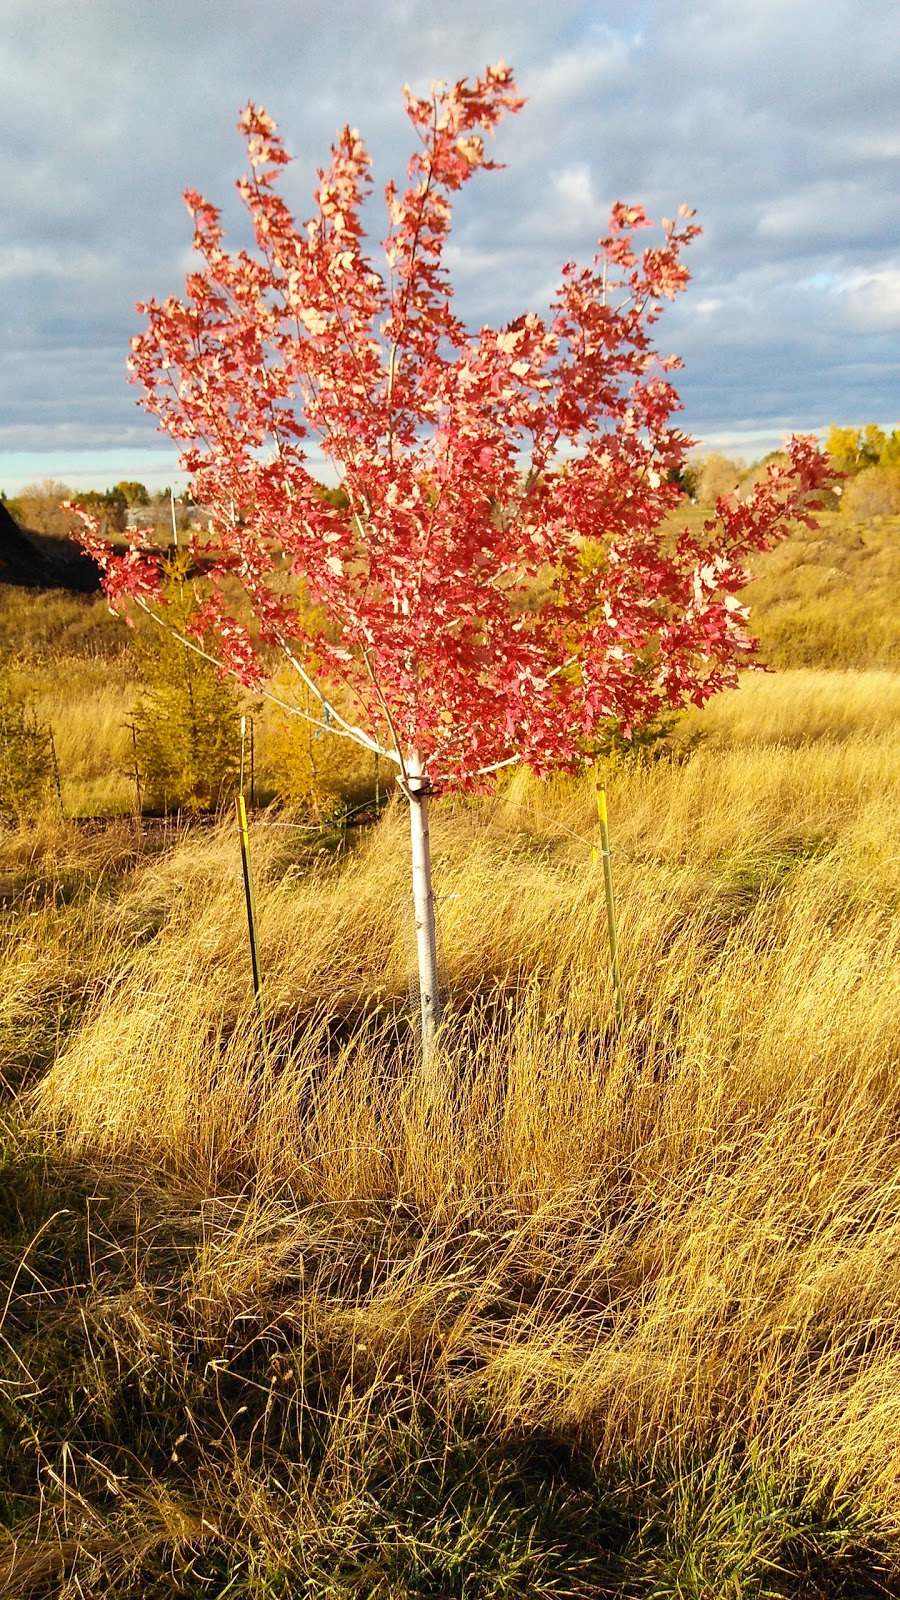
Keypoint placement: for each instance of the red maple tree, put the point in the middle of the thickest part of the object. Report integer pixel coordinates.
(500, 577)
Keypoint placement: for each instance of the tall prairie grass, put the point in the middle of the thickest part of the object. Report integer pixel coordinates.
(800, 706)
(828, 597)
(89, 711)
(823, 598)
(583, 1310)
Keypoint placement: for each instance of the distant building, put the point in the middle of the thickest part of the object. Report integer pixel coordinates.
(197, 518)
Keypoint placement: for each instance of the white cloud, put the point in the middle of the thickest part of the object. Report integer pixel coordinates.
(27, 262)
(870, 301)
(575, 188)
(570, 75)
(709, 306)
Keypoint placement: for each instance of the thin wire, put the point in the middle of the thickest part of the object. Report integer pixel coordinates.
(542, 816)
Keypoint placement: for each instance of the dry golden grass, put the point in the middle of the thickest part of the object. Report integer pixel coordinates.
(52, 624)
(583, 1312)
(830, 596)
(88, 707)
(799, 707)
(69, 658)
(676, 1244)
(827, 597)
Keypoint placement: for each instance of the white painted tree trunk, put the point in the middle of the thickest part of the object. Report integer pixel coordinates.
(423, 904)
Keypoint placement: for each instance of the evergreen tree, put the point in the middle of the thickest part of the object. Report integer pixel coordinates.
(187, 720)
(26, 765)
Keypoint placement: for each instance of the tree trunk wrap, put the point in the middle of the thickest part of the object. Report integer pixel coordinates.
(423, 904)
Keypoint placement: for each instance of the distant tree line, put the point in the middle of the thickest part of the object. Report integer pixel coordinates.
(868, 457)
(871, 460)
(855, 450)
(38, 507)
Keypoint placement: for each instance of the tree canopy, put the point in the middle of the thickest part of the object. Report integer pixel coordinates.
(464, 625)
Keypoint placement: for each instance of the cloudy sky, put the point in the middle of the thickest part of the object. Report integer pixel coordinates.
(776, 119)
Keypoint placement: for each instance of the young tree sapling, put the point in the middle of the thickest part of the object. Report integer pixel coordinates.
(467, 630)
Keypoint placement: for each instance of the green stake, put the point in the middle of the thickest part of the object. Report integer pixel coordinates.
(610, 903)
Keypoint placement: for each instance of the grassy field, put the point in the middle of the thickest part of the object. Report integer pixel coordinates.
(824, 599)
(583, 1312)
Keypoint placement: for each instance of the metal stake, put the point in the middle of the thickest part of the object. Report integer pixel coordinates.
(55, 769)
(248, 896)
(137, 771)
(610, 902)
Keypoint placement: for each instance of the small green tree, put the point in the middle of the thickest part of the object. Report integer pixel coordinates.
(873, 444)
(26, 763)
(134, 494)
(314, 771)
(187, 719)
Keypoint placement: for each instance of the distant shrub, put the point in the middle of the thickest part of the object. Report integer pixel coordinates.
(187, 718)
(316, 770)
(874, 492)
(715, 475)
(26, 763)
(39, 507)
